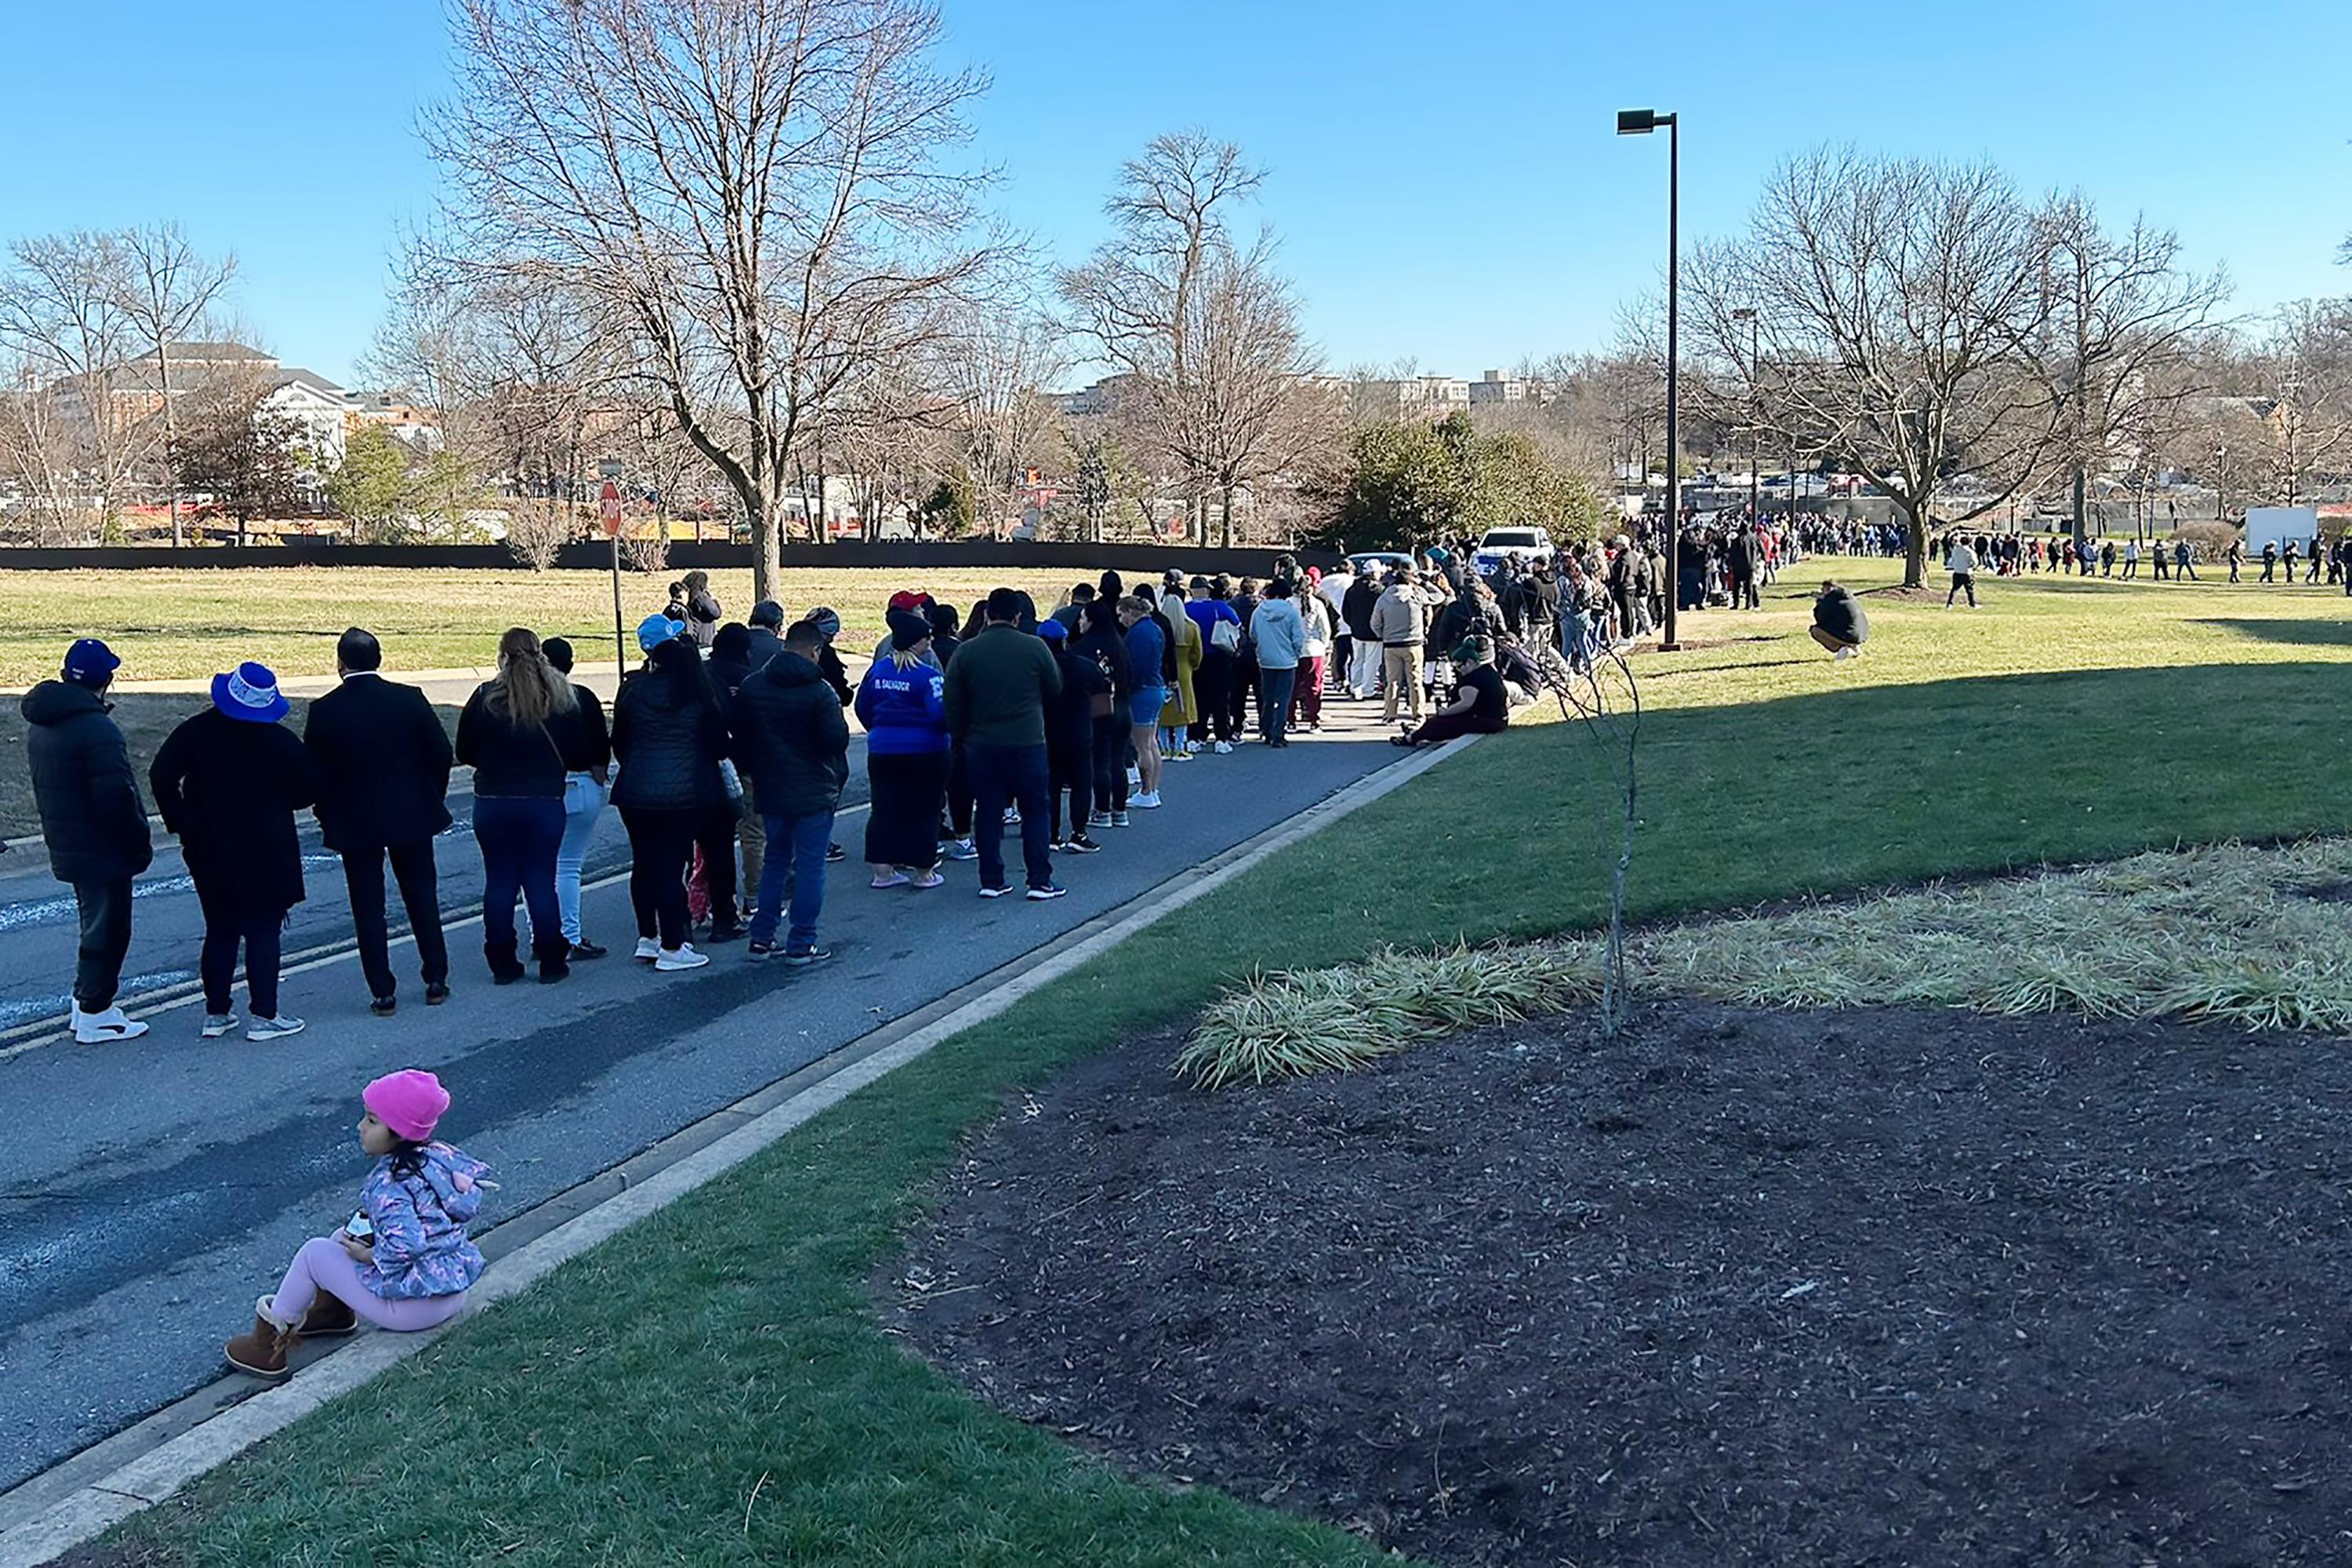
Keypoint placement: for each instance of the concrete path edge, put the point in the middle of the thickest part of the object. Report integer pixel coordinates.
(163, 1471)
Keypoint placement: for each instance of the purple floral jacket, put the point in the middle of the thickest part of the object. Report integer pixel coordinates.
(421, 1245)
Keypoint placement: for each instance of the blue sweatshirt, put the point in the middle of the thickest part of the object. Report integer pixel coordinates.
(903, 711)
(1144, 648)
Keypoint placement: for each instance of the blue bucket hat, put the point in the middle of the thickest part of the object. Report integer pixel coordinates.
(249, 692)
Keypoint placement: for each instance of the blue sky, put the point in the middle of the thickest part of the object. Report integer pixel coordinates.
(1444, 178)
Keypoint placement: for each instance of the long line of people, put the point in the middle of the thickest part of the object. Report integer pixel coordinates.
(728, 745)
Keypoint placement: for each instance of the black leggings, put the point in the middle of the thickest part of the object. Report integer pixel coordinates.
(1111, 759)
(661, 847)
(1069, 766)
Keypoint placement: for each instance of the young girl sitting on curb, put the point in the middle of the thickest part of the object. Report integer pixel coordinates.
(410, 1265)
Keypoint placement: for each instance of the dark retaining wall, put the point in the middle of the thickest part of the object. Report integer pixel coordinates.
(906, 555)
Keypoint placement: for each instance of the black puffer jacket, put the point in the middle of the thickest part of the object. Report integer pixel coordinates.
(91, 814)
(230, 788)
(668, 736)
(791, 737)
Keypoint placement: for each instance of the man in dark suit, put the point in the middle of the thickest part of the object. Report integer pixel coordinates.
(382, 762)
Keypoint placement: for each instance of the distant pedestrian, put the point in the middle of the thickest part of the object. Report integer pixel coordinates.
(523, 734)
(1146, 649)
(668, 738)
(998, 691)
(1280, 633)
(93, 823)
(1399, 626)
(584, 802)
(404, 1261)
(382, 762)
(767, 627)
(1315, 659)
(1103, 640)
(1180, 714)
(902, 703)
(791, 737)
(1962, 563)
(1219, 626)
(228, 783)
(702, 610)
(1069, 741)
(2183, 553)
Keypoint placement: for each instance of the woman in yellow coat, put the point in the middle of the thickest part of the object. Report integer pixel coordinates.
(1183, 706)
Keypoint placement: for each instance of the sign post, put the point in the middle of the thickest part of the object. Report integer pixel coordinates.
(609, 501)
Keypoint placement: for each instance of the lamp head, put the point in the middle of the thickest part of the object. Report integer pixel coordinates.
(1636, 121)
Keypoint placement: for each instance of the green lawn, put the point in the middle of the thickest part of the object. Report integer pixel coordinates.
(177, 624)
(710, 1388)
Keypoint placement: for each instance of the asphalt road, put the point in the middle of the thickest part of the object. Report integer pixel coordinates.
(150, 1189)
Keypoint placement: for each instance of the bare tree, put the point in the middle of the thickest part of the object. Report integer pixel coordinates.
(1899, 301)
(999, 367)
(752, 190)
(62, 318)
(1138, 298)
(2120, 319)
(2305, 362)
(167, 292)
(1262, 419)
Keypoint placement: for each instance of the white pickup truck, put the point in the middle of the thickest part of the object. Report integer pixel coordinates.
(1500, 544)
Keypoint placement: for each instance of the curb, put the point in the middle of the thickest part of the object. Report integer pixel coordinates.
(759, 1121)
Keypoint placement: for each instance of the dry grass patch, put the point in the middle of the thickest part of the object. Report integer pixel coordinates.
(2258, 937)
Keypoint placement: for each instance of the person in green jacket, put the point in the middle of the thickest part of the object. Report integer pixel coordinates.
(998, 687)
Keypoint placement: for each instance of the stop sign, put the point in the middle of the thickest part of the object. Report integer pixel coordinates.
(610, 498)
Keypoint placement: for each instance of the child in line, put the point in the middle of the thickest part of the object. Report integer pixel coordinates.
(404, 1261)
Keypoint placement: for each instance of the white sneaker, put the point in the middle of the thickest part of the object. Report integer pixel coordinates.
(685, 957)
(1844, 654)
(1145, 802)
(272, 1029)
(1225, 747)
(109, 1024)
(219, 1023)
(1134, 779)
(648, 950)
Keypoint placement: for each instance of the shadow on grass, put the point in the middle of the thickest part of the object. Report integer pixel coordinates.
(2305, 633)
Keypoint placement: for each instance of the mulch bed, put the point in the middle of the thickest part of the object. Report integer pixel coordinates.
(1887, 1287)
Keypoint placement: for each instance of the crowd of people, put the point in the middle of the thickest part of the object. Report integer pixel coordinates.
(726, 755)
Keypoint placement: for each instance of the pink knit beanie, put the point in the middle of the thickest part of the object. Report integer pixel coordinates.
(408, 1101)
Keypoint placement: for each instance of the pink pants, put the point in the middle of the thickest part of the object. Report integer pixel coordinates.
(323, 1265)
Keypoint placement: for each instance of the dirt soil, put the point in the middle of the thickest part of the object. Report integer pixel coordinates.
(1886, 1286)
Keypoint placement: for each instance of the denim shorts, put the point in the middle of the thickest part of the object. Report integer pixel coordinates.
(1144, 703)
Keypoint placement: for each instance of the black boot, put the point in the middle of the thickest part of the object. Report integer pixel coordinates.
(505, 970)
(554, 959)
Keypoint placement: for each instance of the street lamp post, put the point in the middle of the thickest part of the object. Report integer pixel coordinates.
(1641, 122)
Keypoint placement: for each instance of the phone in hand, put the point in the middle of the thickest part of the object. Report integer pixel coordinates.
(359, 1230)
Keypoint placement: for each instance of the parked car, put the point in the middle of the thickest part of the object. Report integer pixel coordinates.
(1501, 543)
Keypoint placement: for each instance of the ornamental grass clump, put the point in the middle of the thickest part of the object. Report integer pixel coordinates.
(2258, 938)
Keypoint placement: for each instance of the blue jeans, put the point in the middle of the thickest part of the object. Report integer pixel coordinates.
(1273, 690)
(1011, 775)
(796, 846)
(521, 837)
(583, 800)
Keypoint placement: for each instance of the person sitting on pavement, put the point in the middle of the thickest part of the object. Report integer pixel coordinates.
(228, 783)
(404, 1261)
(382, 762)
(1839, 624)
(1479, 707)
(93, 823)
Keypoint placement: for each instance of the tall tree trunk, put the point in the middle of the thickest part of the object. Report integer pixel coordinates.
(1915, 534)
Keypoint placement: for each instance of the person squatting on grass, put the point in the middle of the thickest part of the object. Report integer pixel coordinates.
(404, 1261)
(1839, 624)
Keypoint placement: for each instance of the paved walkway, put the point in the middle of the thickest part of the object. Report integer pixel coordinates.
(149, 1190)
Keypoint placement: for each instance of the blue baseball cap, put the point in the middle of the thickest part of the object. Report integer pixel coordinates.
(90, 662)
(1051, 630)
(657, 629)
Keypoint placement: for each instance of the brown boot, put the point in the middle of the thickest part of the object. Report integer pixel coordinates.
(262, 1352)
(327, 1318)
